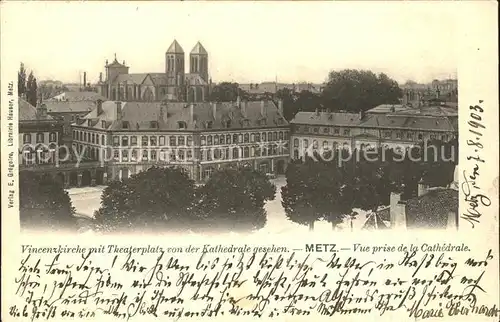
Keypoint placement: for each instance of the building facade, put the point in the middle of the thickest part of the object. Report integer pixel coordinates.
(42, 149)
(391, 126)
(129, 137)
(174, 84)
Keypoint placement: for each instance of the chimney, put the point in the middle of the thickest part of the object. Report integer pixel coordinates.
(397, 211)
(361, 115)
(214, 110)
(280, 106)
(118, 110)
(84, 79)
(422, 188)
(100, 77)
(99, 107)
(262, 110)
(41, 111)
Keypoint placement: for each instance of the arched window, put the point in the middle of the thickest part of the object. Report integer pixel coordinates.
(296, 143)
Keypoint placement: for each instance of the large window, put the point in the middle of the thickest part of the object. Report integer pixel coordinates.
(52, 137)
(181, 140)
(153, 141)
(173, 141)
(116, 140)
(39, 137)
(246, 138)
(145, 140)
(296, 143)
(124, 140)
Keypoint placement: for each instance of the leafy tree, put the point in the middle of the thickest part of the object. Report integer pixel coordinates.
(227, 92)
(289, 106)
(44, 204)
(233, 199)
(359, 90)
(31, 90)
(21, 81)
(158, 199)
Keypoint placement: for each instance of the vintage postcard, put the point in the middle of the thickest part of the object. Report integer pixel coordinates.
(226, 161)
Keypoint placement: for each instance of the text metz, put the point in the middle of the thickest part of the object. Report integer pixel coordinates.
(320, 248)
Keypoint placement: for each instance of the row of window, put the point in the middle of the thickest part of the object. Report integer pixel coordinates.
(386, 134)
(31, 157)
(326, 144)
(153, 140)
(94, 138)
(39, 137)
(243, 138)
(411, 136)
(324, 130)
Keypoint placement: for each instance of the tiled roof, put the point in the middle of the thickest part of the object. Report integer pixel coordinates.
(27, 112)
(77, 96)
(139, 115)
(431, 209)
(417, 122)
(326, 118)
(399, 109)
(136, 79)
(70, 106)
(198, 49)
(175, 48)
(159, 78)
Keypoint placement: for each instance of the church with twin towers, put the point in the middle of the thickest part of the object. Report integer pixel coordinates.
(174, 84)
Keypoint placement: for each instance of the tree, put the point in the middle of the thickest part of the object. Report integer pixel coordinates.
(44, 204)
(359, 90)
(21, 81)
(31, 90)
(289, 106)
(158, 199)
(439, 161)
(227, 92)
(233, 199)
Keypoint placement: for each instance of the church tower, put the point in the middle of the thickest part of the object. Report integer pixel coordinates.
(174, 65)
(198, 61)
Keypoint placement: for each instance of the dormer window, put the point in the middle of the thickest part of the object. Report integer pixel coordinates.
(89, 122)
(103, 124)
(153, 124)
(228, 123)
(125, 125)
(181, 125)
(246, 122)
(209, 124)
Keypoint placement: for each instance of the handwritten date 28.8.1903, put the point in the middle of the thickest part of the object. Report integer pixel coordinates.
(470, 187)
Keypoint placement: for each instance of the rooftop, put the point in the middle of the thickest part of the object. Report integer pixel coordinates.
(175, 48)
(27, 112)
(77, 96)
(71, 106)
(142, 116)
(199, 49)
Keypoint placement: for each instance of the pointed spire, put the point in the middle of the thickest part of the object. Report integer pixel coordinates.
(198, 49)
(175, 48)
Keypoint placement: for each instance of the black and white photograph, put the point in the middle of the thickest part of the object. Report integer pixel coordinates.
(241, 160)
(286, 130)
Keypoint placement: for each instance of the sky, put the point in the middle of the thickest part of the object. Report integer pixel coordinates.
(246, 41)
